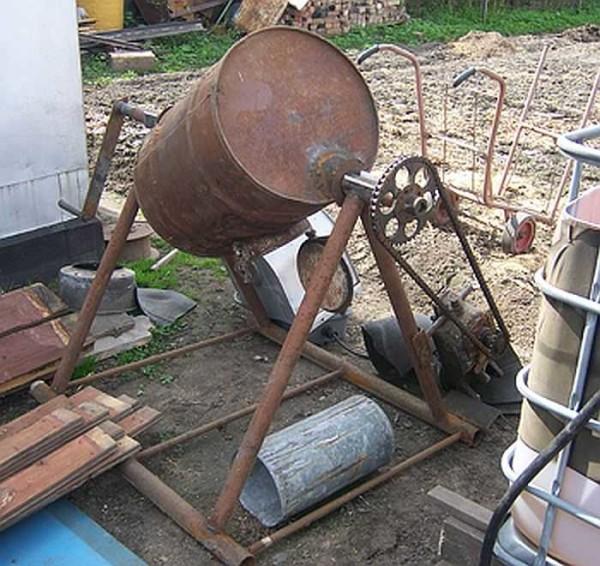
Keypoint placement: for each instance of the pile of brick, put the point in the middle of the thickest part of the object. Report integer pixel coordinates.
(331, 17)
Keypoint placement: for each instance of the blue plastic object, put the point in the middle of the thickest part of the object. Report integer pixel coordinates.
(61, 535)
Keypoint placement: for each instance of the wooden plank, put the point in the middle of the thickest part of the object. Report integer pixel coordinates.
(56, 470)
(32, 416)
(33, 348)
(91, 414)
(87, 395)
(460, 543)
(256, 14)
(34, 442)
(117, 407)
(24, 380)
(460, 507)
(140, 420)
(113, 430)
(126, 447)
(29, 306)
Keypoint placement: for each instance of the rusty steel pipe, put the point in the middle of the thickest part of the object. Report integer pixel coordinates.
(386, 391)
(286, 360)
(105, 155)
(96, 292)
(340, 501)
(110, 372)
(249, 151)
(179, 510)
(417, 341)
(414, 61)
(222, 421)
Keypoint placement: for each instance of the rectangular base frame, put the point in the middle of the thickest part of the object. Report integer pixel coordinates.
(211, 532)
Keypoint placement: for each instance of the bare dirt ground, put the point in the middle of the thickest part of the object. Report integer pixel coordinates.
(394, 524)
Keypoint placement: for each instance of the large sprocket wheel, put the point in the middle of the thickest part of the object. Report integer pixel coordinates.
(403, 200)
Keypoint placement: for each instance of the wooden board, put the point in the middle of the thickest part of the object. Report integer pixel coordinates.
(117, 407)
(463, 532)
(49, 474)
(125, 448)
(14, 426)
(460, 507)
(87, 395)
(139, 421)
(33, 348)
(36, 441)
(28, 307)
(460, 543)
(256, 14)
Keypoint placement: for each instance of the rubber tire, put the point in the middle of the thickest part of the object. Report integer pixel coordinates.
(74, 282)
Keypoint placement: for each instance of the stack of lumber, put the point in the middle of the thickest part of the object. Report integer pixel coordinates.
(58, 446)
(339, 16)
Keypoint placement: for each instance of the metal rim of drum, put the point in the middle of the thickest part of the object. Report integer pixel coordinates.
(221, 130)
(308, 257)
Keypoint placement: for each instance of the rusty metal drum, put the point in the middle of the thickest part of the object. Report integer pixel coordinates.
(241, 156)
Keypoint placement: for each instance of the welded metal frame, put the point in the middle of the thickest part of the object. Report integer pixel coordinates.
(211, 532)
(572, 146)
(524, 125)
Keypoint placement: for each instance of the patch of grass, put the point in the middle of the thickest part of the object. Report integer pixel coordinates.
(195, 51)
(445, 26)
(86, 367)
(192, 51)
(168, 276)
(162, 337)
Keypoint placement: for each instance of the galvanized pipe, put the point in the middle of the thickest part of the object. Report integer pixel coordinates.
(286, 361)
(161, 357)
(222, 421)
(321, 512)
(191, 521)
(308, 461)
(96, 292)
(377, 386)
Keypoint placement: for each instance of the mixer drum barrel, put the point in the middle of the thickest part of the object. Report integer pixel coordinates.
(241, 156)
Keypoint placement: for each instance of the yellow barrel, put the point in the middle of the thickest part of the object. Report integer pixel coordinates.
(107, 13)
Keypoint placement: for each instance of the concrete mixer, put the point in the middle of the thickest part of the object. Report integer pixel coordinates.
(281, 127)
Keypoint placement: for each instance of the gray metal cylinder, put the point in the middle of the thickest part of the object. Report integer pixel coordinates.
(306, 462)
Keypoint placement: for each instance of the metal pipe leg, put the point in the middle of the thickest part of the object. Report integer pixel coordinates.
(419, 347)
(94, 296)
(172, 504)
(286, 361)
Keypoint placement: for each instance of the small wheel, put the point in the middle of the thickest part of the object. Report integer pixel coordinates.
(440, 217)
(519, 233)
